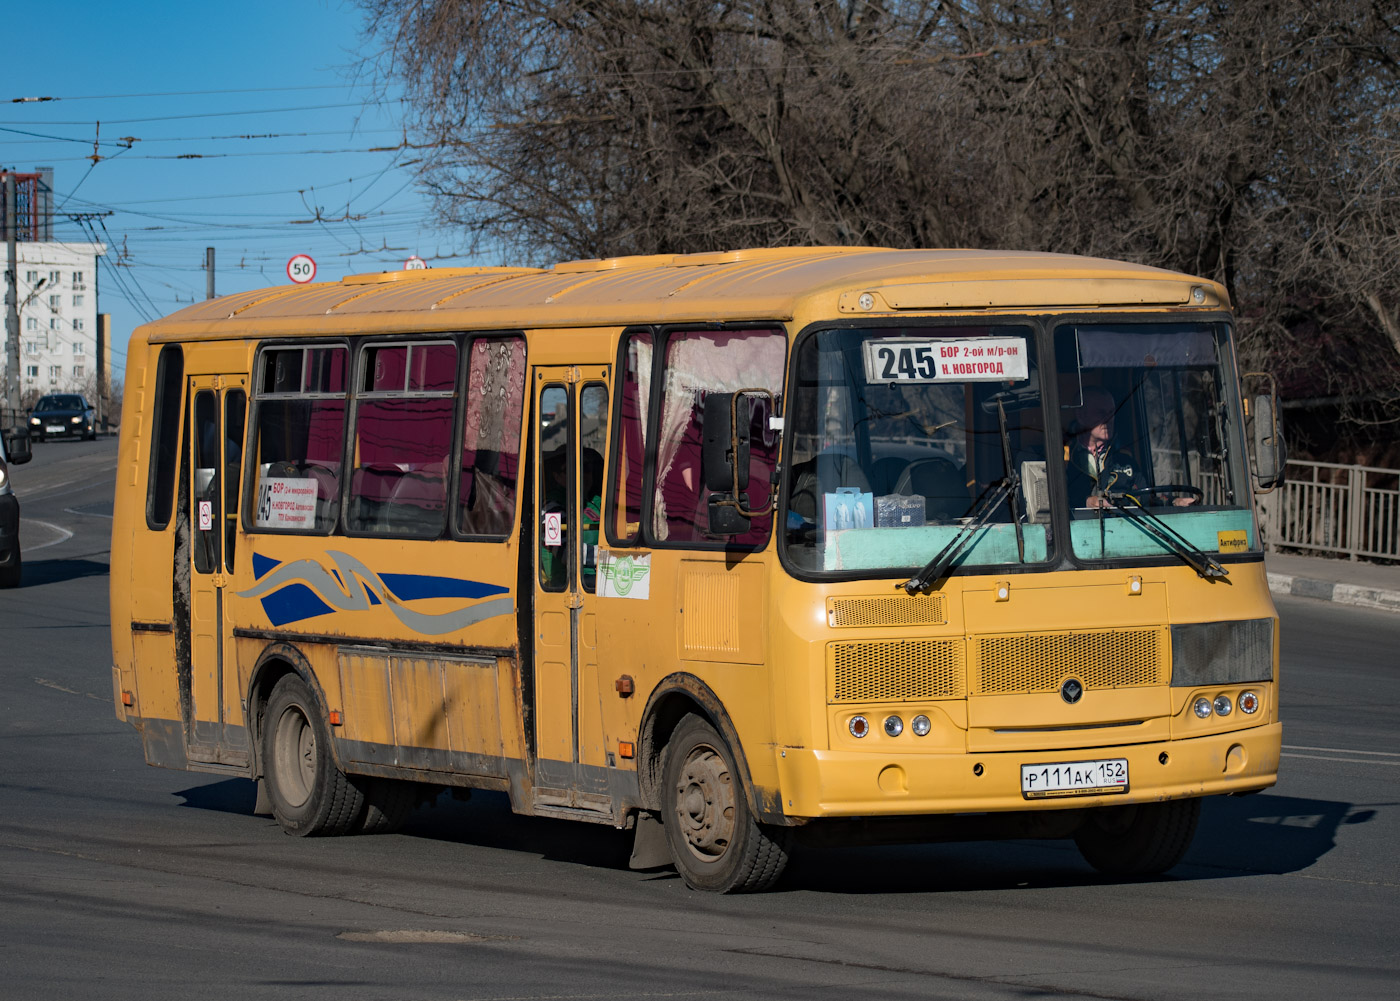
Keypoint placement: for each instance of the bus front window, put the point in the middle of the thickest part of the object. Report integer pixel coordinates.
(897, 435)
(1153, 454)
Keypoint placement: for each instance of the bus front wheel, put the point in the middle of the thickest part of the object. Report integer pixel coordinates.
(1146, 839)
(309, 794)
(715, 841)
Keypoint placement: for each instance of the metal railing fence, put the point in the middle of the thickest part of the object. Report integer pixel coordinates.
(1326, 507)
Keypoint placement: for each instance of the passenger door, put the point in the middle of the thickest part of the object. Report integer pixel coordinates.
(218, 411)
(570, 414)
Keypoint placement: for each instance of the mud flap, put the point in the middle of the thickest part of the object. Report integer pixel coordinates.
(649, 849)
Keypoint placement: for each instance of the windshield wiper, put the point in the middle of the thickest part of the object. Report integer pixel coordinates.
(985, 507)
(1197, 560)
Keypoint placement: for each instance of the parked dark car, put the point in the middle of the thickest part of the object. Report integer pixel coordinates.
(14, 449)
(61, 415)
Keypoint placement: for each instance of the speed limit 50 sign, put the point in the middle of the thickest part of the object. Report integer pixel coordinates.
(301, 269)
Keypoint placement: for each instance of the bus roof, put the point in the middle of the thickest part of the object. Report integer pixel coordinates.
(759, 284)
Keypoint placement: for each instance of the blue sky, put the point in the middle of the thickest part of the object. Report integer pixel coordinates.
(194, 91)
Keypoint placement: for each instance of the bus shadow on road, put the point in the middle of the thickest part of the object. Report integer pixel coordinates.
(1255, 835)
(37, 573)
(1269, 833)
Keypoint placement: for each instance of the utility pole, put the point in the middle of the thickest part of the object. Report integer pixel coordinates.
(11, 302)
(209, 272)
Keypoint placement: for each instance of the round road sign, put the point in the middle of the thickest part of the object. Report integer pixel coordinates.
(415, 263)
(301, 269)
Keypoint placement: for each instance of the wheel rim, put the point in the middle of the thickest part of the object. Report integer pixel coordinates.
(294, 754)
(705, 804)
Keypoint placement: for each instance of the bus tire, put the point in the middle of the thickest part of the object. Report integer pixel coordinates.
(715, 842)
(1142, 840)
(310, 795)
(388, 803)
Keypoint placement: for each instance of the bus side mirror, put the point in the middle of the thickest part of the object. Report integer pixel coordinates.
(17, 448)
(1270, 456)
(724, 461)
(725, 449)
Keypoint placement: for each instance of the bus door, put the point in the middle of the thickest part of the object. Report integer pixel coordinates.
(571, 419)
(218, 408)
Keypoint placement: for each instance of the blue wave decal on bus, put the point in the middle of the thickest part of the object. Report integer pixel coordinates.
(304, 589)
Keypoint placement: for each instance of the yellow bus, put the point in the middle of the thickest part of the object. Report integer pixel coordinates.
(729, 549)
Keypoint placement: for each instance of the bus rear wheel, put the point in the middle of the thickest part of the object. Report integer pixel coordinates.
(310, 794)
(1146, 839)
(715, 841)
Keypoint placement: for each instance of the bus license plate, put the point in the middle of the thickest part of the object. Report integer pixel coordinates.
(1074, 778)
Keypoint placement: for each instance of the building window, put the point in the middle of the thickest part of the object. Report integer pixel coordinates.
(78, 300)
(31, 347)
(53, 323)
(55, 277)
(31, 277)
(77, 277)
(55, 301)
(78, 371)
(77, 324)
(31, 323)
(78, 347)
(55, 372)
(31, 372)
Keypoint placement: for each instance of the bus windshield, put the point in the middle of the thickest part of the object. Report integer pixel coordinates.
(898, 435)
(1153, 450)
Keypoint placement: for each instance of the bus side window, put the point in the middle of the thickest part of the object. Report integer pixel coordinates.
(165, 437)
(700, 362)
(592, 433)
(403, 434)
(634, 400)
(490, 459)
(298, 438)
(204, 498)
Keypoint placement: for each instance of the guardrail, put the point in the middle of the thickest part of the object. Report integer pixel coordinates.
(1325, 507)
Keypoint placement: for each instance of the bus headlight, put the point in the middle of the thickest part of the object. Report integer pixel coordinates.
(859, 726)
(1249, 703)
(1223, 705)
(894, 726)
(921, 725)
(1202, 707)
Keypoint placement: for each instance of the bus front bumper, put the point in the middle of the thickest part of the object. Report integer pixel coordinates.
(864, 784)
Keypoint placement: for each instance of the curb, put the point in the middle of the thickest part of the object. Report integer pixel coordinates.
(1328, 590)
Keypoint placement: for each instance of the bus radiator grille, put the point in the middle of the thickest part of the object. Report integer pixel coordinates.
(896, 670)
(1040, 662)
(923, 610)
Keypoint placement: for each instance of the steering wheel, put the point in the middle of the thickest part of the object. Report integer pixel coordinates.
(1174, 488)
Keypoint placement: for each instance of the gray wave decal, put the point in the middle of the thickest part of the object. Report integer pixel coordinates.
(353, 597)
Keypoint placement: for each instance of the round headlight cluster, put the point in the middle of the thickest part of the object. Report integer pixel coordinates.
(893, 725)
(1224, 705)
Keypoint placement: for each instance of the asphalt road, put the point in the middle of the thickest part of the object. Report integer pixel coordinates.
(122, 881)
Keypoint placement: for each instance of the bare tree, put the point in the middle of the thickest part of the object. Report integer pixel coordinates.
(1252, 143)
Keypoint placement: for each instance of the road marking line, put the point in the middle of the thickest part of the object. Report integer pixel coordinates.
(70, 691)
(1354, 761)
(1339, 750)
(84, 514)
(48, 524)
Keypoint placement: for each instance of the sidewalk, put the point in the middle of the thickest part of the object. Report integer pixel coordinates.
(1369, 585)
